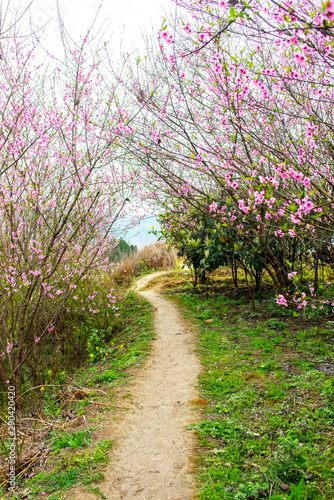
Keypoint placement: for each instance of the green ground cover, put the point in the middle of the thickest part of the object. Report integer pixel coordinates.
(75, 456)
(268, 390)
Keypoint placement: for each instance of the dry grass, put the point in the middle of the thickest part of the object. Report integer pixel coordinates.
(158, 256)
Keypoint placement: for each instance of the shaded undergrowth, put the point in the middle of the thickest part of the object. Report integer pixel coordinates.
(62, 443)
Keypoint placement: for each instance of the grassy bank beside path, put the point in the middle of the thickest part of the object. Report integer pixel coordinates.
(68, 446)
(268, 398)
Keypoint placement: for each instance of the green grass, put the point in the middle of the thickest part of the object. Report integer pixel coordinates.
(72, 440)
(270, 412)
(80, 468)
(75, 458)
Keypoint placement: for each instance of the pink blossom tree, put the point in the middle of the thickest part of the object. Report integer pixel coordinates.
(63, 189)
(237, 121)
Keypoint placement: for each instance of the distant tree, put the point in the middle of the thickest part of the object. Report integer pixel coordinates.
(122, 250)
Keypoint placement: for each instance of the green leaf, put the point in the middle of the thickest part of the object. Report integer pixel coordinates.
(232, 12)
(269, 193)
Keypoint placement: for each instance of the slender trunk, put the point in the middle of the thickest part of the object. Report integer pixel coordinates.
(234, 273)
(275, 264)
(293, 254)
(17, 365)
(3, 375)
(258, 275)
(195, 277)
(316, 272)
(323, 272)
(33, 372)
(18, 393)
(251, 289)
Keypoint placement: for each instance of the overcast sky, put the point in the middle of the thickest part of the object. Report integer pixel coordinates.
(126, 17)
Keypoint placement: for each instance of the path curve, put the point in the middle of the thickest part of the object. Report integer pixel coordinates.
(152, 455)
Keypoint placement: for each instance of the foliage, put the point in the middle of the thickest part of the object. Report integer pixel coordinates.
(207, 245)
(78, 468)
(122, 251)
(59, 205)
(71, 440)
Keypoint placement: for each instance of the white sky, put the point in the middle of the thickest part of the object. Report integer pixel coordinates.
(125, 20)
(126, 17)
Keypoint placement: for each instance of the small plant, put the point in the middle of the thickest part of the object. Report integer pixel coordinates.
(109, 376)
(80, 467)
(97, 346)
(275, 324)
(297, 493)
(72, 440)
(225, 431)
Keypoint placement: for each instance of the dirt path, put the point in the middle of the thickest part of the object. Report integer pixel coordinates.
(151, 459)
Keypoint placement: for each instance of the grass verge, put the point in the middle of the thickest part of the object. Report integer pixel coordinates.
(268, 400)
(64, 447)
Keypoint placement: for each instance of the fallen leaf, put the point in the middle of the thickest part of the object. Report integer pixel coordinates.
(208, 320)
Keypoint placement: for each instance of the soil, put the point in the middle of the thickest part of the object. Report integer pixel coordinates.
(153, 451)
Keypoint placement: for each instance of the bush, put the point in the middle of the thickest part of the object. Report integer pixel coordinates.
(158, 256)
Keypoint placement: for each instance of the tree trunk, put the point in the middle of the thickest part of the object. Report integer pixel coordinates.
(33, 372)
(251, 290)
(235, 273)
(195, 277)
(279, 281)
(316, 272)
(3, 375)
(18, 393)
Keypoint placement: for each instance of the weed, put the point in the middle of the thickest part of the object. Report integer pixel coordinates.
(73, 468)
(71, 440)
(109, 376)
(275, 324)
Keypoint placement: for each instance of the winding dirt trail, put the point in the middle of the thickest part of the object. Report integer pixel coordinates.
(151, 459)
